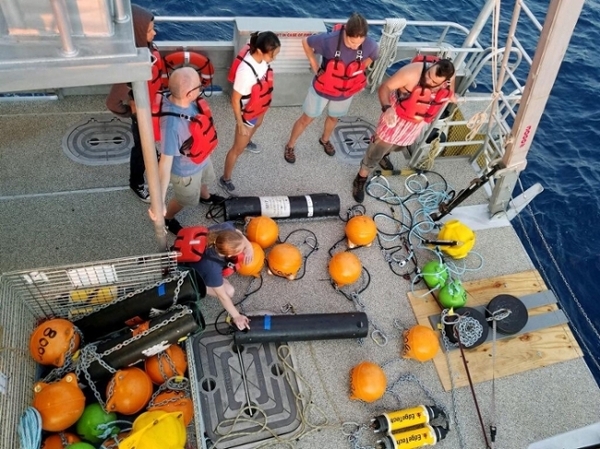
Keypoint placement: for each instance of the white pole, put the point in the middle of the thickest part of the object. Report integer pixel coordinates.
(558, 28)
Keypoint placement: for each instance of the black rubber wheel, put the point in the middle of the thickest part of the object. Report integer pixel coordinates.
(514, 322)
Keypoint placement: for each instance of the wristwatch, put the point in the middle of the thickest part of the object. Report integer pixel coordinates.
(385, 107)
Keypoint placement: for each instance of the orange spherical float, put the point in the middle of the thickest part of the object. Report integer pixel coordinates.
(360, 231)
(50, 342)
(284, 260)
(262, 230)
(60, 403)
(60, 440)
(174, 401)
(367, 382)
(420, 343)
(345, 268)
(160, 366)
(258, 261)
(128, 391)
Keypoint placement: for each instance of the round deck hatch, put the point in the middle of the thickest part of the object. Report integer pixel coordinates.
(101, 140)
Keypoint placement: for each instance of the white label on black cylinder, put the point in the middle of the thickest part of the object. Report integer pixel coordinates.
(275, 206)
(309, 206)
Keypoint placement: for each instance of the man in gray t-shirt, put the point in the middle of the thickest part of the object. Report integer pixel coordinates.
(336, 81)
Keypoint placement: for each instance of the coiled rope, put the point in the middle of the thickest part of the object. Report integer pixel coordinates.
(388, 47)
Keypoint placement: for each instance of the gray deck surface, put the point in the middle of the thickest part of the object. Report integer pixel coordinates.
(54, 211)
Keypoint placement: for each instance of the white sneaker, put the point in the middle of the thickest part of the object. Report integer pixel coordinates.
(141, 192)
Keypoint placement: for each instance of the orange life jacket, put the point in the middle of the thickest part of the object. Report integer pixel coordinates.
(203, 139)
(422, 104)
(191, 244)
(339, 80)
(259, 99)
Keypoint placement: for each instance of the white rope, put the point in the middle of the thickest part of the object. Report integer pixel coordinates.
(479, 119)
(388, 46)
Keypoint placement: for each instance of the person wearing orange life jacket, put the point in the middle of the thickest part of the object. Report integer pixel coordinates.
(188, 137)
(223, 242)
(410, 99)
(346, 53)
(252, 79)
(120, 99)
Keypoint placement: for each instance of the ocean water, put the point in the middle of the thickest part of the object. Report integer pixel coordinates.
(563, 156)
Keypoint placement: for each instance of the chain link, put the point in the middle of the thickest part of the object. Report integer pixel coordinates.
(378, 336)
(177, 275)
(354, 434)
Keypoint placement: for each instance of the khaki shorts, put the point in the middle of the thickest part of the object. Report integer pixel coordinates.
(187, 188)
(314, 105)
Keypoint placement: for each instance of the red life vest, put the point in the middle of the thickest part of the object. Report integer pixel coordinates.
(203, 139)
(259, 99)
(191, 244)
(337, 80)
(422, 104)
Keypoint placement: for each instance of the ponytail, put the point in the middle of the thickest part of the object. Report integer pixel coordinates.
(265, 41)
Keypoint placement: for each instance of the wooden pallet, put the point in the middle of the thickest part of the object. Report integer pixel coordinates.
(521, 353)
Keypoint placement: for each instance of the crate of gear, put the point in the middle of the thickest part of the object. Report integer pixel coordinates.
(95, 355)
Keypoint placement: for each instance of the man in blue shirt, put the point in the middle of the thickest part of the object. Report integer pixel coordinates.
(189, 176)
(354, 52)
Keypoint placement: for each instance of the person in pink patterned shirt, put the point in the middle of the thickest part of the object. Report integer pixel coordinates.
(410, 99)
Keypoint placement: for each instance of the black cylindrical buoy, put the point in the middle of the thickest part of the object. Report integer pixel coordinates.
(302, 206)
(137, 309)
(313, 326)
(148, 345)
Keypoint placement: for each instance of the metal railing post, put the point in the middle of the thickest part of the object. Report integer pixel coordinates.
(64, 27)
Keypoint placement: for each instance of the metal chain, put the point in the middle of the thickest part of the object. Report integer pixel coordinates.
(89, 355)
(69, 365)
(378, 336)
(354, 434)
(177, 274)
(166, 357)
(184, 311)
(175, 384)
(469, 329)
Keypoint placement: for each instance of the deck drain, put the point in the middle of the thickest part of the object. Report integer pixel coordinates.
(101, 140)
(351, 137)
(268, 390)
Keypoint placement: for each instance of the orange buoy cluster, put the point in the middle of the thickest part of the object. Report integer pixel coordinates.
(66, 419)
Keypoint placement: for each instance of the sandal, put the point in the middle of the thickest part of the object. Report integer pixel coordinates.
(385, 163)
(327, 147)
(289, 155)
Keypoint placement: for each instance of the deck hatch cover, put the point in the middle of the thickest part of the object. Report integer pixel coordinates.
(351, 137)
(101, 140)
(222, 394)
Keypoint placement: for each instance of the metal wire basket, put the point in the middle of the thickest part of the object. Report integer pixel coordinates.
(29, 296)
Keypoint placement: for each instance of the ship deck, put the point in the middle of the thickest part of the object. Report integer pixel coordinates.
(55, 211)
